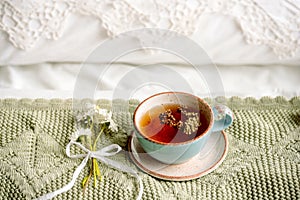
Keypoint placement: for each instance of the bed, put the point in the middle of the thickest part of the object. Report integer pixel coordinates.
(249, 55)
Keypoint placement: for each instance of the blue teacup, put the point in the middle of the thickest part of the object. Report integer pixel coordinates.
(212, 120)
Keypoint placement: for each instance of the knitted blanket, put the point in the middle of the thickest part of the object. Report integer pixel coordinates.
(263, 160)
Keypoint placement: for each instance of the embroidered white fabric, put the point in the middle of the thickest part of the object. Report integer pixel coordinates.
(273, 23)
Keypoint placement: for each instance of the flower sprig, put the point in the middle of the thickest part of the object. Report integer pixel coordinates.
(92, 123)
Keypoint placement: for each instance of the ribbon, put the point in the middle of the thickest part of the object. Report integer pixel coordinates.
(101, 155)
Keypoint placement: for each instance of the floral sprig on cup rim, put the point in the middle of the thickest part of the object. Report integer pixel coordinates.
(92, 124)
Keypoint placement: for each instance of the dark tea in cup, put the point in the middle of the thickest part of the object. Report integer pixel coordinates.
(173, 123)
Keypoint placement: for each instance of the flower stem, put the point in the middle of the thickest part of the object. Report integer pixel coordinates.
(94, 165)
(98, 136)
(94, 171)
(86, 181)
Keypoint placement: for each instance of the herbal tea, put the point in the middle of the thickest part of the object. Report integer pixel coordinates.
(173, 123)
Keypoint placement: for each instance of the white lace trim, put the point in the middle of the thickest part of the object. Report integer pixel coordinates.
(274, 23)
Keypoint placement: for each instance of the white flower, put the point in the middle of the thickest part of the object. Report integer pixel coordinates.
(102, 112)
(79, 133)
(112, 125)
(108, 118)
(90, 106)
(90, 111)
(80, 116)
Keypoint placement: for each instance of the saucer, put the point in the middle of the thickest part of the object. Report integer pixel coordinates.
(207, 160)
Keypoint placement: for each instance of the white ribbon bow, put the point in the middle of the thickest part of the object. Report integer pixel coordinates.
(101, 155)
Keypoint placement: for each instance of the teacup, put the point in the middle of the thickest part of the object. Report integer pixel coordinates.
(173, 127)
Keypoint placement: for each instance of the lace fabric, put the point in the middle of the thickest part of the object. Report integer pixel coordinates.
(275, 24)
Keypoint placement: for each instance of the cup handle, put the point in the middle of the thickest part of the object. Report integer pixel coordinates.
(223, 117)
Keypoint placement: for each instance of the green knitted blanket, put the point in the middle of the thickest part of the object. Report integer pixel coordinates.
(263, 160)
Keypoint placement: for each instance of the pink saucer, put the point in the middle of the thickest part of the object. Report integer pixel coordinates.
(210, 157)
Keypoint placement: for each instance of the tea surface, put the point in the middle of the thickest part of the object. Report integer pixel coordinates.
(154, 127)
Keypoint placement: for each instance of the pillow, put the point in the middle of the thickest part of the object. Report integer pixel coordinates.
(240, 33)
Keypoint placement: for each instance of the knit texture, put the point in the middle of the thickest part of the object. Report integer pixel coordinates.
(263, 160)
